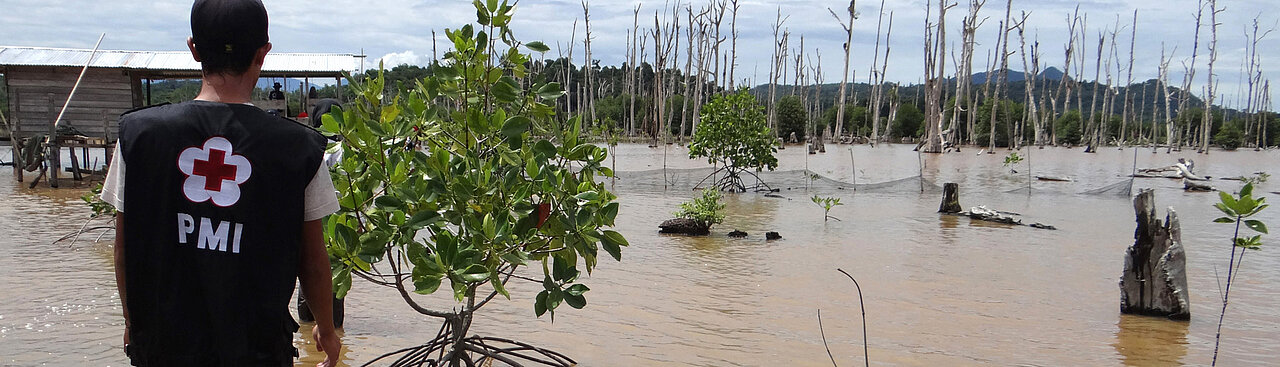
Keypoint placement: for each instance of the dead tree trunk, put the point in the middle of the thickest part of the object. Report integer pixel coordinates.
(935, 67)
(733, 46)
(964, 77)
(1184, 96)
(1004, 71)
(844, 80)
(1154, 281)
(1210, 89)
(587, 82)
(878, 89)
(1124, 122)
(775, 68)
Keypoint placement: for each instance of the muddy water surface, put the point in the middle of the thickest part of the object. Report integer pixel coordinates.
(939, 290)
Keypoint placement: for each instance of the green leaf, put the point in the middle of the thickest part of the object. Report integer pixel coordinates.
(475, 273)
(550, 91)
(609, 212)
(515, 126)
(1225, 209)
(506, 90)
(576, 289)
(1256, 225)
(342, 283)
(545, 149)
(1247, 190)
(496, 280)
(588, 196)
(1227, 201)
(540, 304)
(426, 284)
(1224, 220)
(612, 243)
(421, 219)
(489, 226)
(575, 301)
(537, 46)
(386, 201)
(517, 258)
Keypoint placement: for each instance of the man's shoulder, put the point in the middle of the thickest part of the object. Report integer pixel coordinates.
(148, 112)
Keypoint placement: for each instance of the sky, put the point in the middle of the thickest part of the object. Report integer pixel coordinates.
(400, 31)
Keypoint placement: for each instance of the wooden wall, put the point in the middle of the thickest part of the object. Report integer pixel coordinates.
(36, 95)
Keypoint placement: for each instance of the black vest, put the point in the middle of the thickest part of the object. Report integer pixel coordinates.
(213, 231)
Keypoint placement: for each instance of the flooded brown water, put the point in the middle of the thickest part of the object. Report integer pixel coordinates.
(939, 290)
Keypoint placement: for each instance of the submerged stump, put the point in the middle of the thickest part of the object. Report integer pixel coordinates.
(1154, 281)
(950, 198)
(684, 226)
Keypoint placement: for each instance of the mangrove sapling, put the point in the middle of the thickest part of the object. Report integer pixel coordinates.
(100, 209)
(464, 180)
(1011, 160)
(704, 210)
(733, 135)
(826, 203)
(1237, 209)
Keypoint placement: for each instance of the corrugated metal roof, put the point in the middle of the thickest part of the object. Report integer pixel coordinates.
(311, 63)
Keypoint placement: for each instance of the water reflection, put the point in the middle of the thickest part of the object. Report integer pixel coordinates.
(1151, 341)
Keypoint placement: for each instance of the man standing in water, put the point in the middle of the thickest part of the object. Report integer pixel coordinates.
(221, 213)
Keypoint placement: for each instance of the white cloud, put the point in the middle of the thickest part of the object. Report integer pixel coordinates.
(400, 58)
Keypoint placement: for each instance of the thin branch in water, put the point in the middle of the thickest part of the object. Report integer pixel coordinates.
(865, 348)
(824, 339)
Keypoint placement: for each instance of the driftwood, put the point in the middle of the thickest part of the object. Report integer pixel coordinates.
(951, 205)
(1054, 178)
(1154, 281)
(1192, 186)
(737, 234)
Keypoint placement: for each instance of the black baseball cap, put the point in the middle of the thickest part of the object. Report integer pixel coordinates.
(233, 27)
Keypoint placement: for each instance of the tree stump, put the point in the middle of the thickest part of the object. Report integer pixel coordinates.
(950, 198)
(684, 226)
(1154, 281)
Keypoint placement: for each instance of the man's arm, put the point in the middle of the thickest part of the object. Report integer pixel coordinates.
(317, 285)
(118, 254)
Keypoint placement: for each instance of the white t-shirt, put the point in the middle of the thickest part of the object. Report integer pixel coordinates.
(320, 198)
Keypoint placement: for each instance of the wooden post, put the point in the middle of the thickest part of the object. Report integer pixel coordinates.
(18, 164)
(950, 198)
(75, 164)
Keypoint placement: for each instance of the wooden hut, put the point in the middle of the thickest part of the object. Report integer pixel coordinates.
(39, 79)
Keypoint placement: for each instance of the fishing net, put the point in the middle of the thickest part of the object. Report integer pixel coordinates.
(699, 178)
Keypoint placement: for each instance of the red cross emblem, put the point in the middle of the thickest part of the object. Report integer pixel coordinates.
(214, 172)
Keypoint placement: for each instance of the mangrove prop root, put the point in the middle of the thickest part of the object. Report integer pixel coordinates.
(443, 350)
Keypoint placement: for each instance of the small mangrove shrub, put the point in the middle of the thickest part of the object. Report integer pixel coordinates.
(1237, 210)
(734, 135)
(705, 209)
(826, 203)
(99, 207)
(1011, 160)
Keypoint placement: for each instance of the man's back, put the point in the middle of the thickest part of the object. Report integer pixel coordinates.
(215, 200)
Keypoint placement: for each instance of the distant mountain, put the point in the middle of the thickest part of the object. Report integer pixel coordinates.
(1050, 73)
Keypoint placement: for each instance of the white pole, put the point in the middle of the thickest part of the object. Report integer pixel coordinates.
(76, 86)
